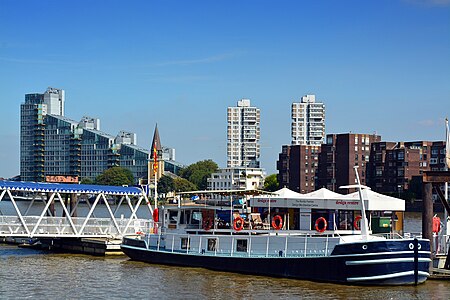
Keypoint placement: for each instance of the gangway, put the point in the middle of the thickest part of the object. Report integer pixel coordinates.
(66, 198)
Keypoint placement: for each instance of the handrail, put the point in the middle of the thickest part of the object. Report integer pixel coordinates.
(300, 247)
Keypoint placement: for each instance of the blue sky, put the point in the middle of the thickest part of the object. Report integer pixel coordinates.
(379, 66)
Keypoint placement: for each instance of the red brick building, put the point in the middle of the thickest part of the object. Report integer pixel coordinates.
(339, 156)
(297, 167)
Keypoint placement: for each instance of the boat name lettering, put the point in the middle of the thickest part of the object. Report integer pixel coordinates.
(267, 200)
(346, 202)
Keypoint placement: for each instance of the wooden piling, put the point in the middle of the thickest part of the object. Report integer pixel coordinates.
(427, 215)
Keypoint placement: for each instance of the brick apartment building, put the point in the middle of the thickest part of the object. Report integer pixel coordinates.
(387, 167)
(297, 166)
(398, 167)
(338, 157)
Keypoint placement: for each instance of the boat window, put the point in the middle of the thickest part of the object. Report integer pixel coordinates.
(173, 216)
(185, 243)
(241, 245)
(212, 244)
(196, 217)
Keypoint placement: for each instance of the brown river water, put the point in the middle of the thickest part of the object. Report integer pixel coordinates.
(32, 274)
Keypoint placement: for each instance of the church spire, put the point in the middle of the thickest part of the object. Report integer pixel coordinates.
(156, 141)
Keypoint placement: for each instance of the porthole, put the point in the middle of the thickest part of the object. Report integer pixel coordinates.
(411, 246)
(364, 247)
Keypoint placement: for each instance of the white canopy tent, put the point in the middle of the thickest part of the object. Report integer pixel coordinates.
(378, 202)
(326, 199)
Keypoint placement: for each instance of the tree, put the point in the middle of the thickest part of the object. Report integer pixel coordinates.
(115, 176)
(87, 180)
(199, 172)
(183, 185)
(165, 184)
(271, 183)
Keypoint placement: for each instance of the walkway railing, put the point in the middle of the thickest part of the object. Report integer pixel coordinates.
(62, 227)
(248, 245)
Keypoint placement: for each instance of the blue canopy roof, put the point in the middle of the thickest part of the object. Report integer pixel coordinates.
(68, 188)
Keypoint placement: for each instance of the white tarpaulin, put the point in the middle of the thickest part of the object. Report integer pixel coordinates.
(326, 199)
(377, 201)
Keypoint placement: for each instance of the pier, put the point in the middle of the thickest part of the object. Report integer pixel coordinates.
(60, 224)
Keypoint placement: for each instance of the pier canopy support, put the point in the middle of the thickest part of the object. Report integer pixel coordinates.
(61, 216)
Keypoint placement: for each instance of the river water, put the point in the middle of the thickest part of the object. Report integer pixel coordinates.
(32, 274)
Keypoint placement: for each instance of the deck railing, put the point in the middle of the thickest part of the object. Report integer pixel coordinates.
(261, 246)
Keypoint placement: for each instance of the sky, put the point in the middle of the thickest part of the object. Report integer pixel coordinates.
(379, 66)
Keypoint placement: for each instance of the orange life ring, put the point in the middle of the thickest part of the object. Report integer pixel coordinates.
(238, 223)
(355, 222)
(318, 221)
(274, 222)
(436, 224)
(207, 224)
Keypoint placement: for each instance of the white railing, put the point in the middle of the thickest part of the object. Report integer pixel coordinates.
(261, 245)
(62, 227)
(441, 244)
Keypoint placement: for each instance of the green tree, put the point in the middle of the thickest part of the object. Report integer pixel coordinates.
(87, 181)
(183, 185)
(199, 172)
(271, 183)
(115, 176)
(165, 184)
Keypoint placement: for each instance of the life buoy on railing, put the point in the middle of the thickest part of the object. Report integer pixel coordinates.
(436, 224)
(238, 223)
(318, 222)
(274, 222)
(207, 224)
(355, 222)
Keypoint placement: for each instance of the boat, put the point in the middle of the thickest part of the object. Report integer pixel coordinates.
(222, 238)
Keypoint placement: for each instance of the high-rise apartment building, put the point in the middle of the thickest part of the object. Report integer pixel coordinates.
(52, 144)
(243, 135)
(308, 122)
(62, 139)
(338, 157)
(32, 130)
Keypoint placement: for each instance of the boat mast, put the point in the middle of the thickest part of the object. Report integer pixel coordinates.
(364, 222)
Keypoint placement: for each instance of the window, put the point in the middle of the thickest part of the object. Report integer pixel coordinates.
(241, 245)
(185, 243)
(212, 244)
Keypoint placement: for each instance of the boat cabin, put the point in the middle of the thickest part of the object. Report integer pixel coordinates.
(326, 210)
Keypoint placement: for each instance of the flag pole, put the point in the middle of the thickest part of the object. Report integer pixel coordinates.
(155, 172)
